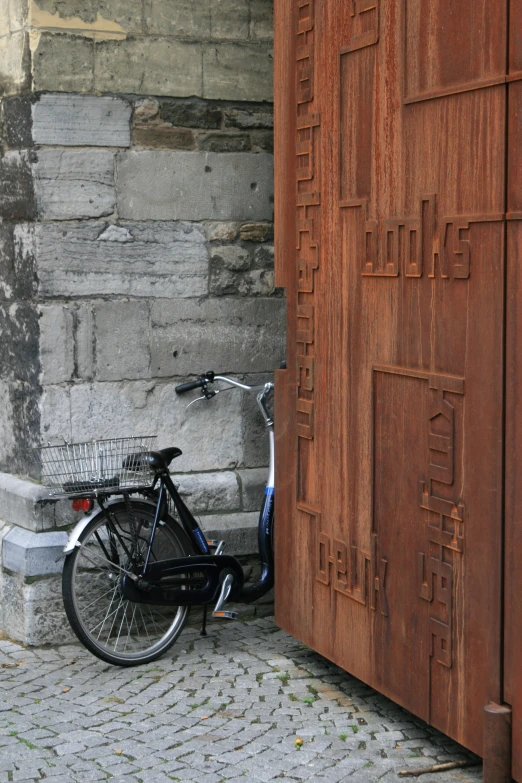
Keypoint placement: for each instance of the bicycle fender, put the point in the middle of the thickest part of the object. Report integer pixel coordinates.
(78, 529)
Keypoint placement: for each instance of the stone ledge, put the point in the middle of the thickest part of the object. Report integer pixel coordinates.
(38, 554)
(32, 554)
(28, 505)
(238, 530)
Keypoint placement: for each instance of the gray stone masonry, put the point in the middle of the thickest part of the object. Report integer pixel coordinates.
(245, 704)
(124, 271)
(136, 250)
(215, 49)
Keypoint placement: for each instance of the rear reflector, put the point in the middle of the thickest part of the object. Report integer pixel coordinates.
(82, 504)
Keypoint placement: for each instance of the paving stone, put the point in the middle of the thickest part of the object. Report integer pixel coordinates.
(204, 714)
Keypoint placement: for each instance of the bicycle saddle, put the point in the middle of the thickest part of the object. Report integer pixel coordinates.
(156, 459)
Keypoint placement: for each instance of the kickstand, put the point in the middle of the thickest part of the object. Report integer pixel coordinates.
(204, 626)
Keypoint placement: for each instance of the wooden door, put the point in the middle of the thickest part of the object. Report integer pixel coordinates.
(513, 583)
(390, 199)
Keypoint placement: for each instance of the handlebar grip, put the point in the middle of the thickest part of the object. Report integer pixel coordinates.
(185, 387)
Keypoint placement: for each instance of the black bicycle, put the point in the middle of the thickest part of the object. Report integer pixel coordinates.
(137, 562)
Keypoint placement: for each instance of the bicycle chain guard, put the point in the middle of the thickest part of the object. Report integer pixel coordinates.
(167, 582)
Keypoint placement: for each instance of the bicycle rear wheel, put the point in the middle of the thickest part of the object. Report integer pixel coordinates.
(113, 628)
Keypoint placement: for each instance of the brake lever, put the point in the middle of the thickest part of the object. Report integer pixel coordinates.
(209, 394)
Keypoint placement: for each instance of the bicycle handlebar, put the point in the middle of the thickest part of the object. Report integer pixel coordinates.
(185, 387)
(210, 377)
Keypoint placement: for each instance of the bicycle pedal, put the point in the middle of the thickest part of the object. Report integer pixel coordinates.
(226, 615)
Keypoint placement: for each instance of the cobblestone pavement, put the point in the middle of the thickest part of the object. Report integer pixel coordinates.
(226, 708)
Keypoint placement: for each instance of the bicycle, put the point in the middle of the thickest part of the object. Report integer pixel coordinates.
(135, 565)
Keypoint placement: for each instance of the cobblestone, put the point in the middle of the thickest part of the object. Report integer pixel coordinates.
(218, 709)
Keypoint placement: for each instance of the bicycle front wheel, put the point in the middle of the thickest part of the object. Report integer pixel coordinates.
(113, 628)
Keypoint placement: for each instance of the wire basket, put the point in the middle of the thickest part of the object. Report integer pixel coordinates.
(96, 466)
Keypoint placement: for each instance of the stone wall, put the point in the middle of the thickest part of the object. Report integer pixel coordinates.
(135, 251)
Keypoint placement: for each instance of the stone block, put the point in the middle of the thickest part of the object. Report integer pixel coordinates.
(163, 137)
(233, 257)
(249, 118)
(238, 530)
(55, 414)
(238, 72)
(253, 483)
(98, 18)
(81, 120)
(122, 340)
(63, 63)
(12, 605)
(256, 232)
(7, 270)
(262, 20)
(19, 423)
(226, 335)
(84, 339)
(264, 257)
(28, 505)
(56, 344)
(17, 271)
(209, 492)
(145, 110)
(262, 141)
(209, 434)
(222, 232)
(181, 19)
(74, 184)
(32, 554)
(19, 357)
(230, 19)
(155, 185)
(18, 14)
(33, 613)
(224, 142)
(17, 200)
(193, 113)
(16, 121)
(137, 259)
(143, 67)
(231, 274)
(44, 615)
(5, 28)
(15, 68)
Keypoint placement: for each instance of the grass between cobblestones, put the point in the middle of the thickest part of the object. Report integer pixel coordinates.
(246, 703)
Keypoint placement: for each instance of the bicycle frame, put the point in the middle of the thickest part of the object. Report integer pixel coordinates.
(249, 592)
(165, 581)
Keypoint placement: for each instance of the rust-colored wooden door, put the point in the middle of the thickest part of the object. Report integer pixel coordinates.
(391, 242)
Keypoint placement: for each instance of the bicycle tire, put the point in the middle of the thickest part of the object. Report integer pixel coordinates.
(111, 627)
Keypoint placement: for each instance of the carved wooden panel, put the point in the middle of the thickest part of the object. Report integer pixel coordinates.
(414, 246)
(391, 419)
(452, 47)
(308, 243)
